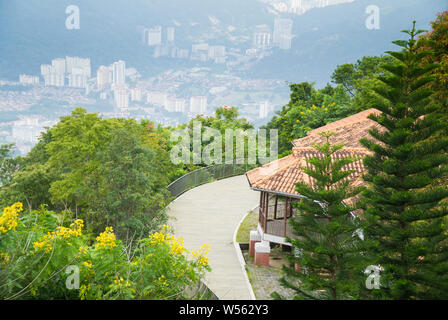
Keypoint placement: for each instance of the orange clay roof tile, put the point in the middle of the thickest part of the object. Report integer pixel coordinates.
(280, 176)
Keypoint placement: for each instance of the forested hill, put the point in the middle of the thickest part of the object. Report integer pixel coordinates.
(323, 38)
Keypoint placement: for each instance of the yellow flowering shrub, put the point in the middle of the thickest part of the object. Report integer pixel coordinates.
(201, 255)
(35, 250)
(46, 243)
(106, 239)
(9, 218)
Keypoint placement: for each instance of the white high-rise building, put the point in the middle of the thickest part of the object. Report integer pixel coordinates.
(154, 36)
(45, 69)
(173, 104)
(118, 72)
(265, 108)
(58, 65)
(76, 62)
(136, 94)
(121, 96)
(261, 37)
(51, 77)
(103, 77)
(78, 78)
(198, 104)
(283, 33)
(170, 34)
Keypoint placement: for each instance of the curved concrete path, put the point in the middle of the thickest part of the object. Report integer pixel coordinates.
(210, 214)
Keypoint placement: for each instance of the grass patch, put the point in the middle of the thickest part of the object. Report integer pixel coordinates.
(249, 223)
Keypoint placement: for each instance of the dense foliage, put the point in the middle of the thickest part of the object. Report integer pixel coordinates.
(407, 202)
(405, 206)
(45, 255)
(311, 108)
(105, 171)
(326, 250)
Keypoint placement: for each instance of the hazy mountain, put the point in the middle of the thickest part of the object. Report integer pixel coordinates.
(33, 32)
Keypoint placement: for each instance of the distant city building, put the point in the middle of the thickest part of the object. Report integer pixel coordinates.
(261, 37)
(103, 77)
(170, 34)
(26, 130)
(77, 78)
(136, 94)
(198, 104)
(27, 79)
(198, 47)
(76, 62)
(76, 69)
(52, 78)
(118, 72)
(156, 98)
(217, 53)
(265, 108)
(154, 36)
(173, 104)
(282, 33)
(302, 6)
(58, 65)
(121, 96)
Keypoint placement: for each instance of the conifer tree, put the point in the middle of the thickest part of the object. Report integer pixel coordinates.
(327, 247)
(407, 198)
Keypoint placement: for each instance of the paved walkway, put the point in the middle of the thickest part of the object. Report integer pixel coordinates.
(210, 214)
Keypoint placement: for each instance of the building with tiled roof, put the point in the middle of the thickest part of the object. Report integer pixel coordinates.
(276, 180)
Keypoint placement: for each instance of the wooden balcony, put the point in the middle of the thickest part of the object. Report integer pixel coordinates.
(274, 213)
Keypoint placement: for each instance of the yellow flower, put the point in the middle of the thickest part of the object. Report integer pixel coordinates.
(177, 246)
(9, 218)
(106, 239)
(61, 232)
(157, 237)
(87, 264)
(201, 255)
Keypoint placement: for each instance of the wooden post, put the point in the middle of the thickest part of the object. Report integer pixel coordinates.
(284, 217)
(290, 208)
(266, 208)
(275, 207)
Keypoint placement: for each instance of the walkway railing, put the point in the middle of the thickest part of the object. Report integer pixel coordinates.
(208, 174)
(201, 176)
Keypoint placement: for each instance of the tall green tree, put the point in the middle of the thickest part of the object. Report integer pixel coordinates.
(326, 246)
(129, 198)
(308, 108)
(406, 204)
(437, 41)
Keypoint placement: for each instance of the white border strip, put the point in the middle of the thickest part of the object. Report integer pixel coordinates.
(240, 257)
